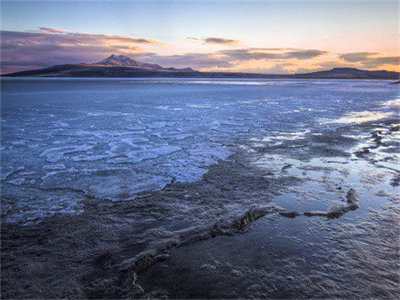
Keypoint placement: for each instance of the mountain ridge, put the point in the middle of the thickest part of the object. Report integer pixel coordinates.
(125, 61)
(125, 67)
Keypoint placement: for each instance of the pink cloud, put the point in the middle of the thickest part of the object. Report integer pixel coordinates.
(51, 46)
(53, 30)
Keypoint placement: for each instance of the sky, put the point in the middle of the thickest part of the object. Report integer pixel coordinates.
(276, 37)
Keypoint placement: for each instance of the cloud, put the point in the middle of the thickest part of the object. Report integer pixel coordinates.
(370, 60)
(222, 41)
(334, 64)
(248, 54)
(53, 30)
(305, 54)
(193, 60)
(356, 56)
(275, 49)
(51, 46)
(247, 59)
(215, 40)
(24, 50)
(378, 62)
(233, 57)
(255, 53)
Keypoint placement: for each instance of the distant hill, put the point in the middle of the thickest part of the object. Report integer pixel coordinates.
(125, 67)
(350, 73)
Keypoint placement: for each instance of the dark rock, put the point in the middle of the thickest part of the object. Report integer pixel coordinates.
(142, 262)
(395, 128)
(362, 152)
(286, 167)
(352, 200)
(136, 290)
(395, 180)
(290, 215)
(157, 294)
(196, 237)
(195, 234)
(337, 213)
(378, 139)
(250, 215)
(316, 213)
(352, 196)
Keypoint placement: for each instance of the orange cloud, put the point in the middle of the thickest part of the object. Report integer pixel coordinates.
(223, 41)
(51, 46)
(371, 60)
(53, 30)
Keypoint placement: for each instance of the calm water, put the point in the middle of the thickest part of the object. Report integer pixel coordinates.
(140, 162)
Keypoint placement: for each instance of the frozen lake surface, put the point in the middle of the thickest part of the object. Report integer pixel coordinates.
(151, 163)
(115, 138)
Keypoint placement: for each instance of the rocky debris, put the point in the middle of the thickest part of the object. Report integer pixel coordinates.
(230, 226)
(382, 193)
(157, 294)
(362, 152)
(236, 273)
(291, 278)
(286, 167)
(377, 138)
(316, 213)
(122, 284)
(252, 214)
(352, 197)
(137, 289)
(143, 261)
(290, 215)
(192, 235)
(208, 267)
(330, 138)
(395, 180)
(352, 204)
(337, 213)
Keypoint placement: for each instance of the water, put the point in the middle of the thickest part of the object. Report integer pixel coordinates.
(141, 160)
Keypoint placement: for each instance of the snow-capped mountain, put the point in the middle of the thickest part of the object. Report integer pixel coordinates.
(125, 61)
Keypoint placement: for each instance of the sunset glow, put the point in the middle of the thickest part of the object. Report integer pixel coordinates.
(262, 37)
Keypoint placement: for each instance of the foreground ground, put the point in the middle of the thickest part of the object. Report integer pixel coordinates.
(271, 221)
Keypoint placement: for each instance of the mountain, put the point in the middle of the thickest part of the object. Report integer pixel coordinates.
(125, 61)
(350, 73)
(125, 67)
